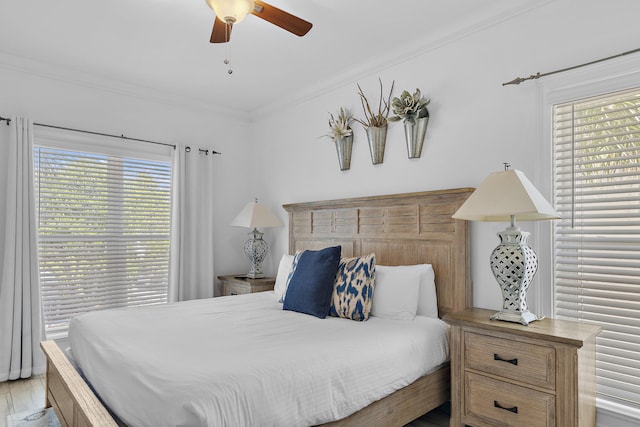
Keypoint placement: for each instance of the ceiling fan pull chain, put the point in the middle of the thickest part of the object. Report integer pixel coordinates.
(227, 60)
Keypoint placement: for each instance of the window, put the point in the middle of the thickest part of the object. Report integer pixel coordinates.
(103, 229)
(596, 144)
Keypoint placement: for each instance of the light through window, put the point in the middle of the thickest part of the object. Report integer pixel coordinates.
(103, 231)
(597, 243)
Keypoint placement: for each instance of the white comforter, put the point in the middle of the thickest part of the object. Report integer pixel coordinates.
(243, 361)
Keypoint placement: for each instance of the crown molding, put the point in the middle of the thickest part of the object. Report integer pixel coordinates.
(68, 75)
(76, 77)
(381, 63)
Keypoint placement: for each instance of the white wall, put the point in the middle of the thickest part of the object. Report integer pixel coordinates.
(89, 107)
(475, 124)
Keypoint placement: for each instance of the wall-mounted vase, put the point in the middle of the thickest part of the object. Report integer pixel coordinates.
(377, 137)
(344, 146)
(414, 136)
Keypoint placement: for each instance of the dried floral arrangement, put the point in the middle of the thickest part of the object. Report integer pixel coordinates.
(409, 107)
(371, 118)
(340, 125)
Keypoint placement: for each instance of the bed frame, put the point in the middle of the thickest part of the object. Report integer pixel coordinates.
(401, 229)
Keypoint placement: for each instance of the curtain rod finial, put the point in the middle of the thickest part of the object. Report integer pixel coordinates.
(519, 80)
(515, 81)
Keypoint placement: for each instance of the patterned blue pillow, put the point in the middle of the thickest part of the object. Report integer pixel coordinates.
(353, 288)
(294, 264)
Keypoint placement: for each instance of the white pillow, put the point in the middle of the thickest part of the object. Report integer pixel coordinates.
(395, 294)
(427, 299)
(280, 287)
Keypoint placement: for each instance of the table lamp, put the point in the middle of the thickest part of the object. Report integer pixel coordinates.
(255, 215)
(505, 196)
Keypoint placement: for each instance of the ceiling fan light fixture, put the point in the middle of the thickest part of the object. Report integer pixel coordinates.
(231, 11)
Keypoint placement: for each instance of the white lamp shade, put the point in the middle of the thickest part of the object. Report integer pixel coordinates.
(503, 194)
(231, 10)
(256, 215)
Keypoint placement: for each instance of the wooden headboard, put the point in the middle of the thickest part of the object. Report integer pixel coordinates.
(401, 229)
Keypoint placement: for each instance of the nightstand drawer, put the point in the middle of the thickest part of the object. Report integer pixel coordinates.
(529, 363)
(494, 403)
(235, 289)
(238, 284)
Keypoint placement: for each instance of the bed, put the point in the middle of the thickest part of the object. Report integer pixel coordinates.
(401, 229)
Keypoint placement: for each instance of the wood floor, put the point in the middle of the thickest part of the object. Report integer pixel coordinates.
(24, 395)
(19, 396)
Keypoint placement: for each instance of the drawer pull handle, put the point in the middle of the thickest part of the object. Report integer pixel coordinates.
(500, 359)
(513, 409)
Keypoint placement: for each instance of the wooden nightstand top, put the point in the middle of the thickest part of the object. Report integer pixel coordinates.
(561, 331)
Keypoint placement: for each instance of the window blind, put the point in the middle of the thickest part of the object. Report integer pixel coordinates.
(597, 242)
(104, 232)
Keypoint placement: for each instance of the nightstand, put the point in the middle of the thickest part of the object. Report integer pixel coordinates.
(239, 284)
(507, 374)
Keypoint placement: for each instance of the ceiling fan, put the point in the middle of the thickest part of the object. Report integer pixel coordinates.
(230, 12)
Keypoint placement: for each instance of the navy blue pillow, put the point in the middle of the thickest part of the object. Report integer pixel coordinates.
(311, 285)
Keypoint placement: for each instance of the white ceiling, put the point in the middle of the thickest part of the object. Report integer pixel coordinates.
(162, 46)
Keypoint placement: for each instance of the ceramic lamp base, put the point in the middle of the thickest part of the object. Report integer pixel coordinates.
(513, 264)
(256, 249)
(524, 318)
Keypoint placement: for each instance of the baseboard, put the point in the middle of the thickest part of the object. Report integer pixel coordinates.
(611, 414)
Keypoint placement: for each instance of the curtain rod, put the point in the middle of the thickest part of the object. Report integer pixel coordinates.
(519, 80)
(101, 134)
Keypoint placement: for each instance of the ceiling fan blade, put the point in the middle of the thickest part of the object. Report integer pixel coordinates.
(221, 32)
(282, 19)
